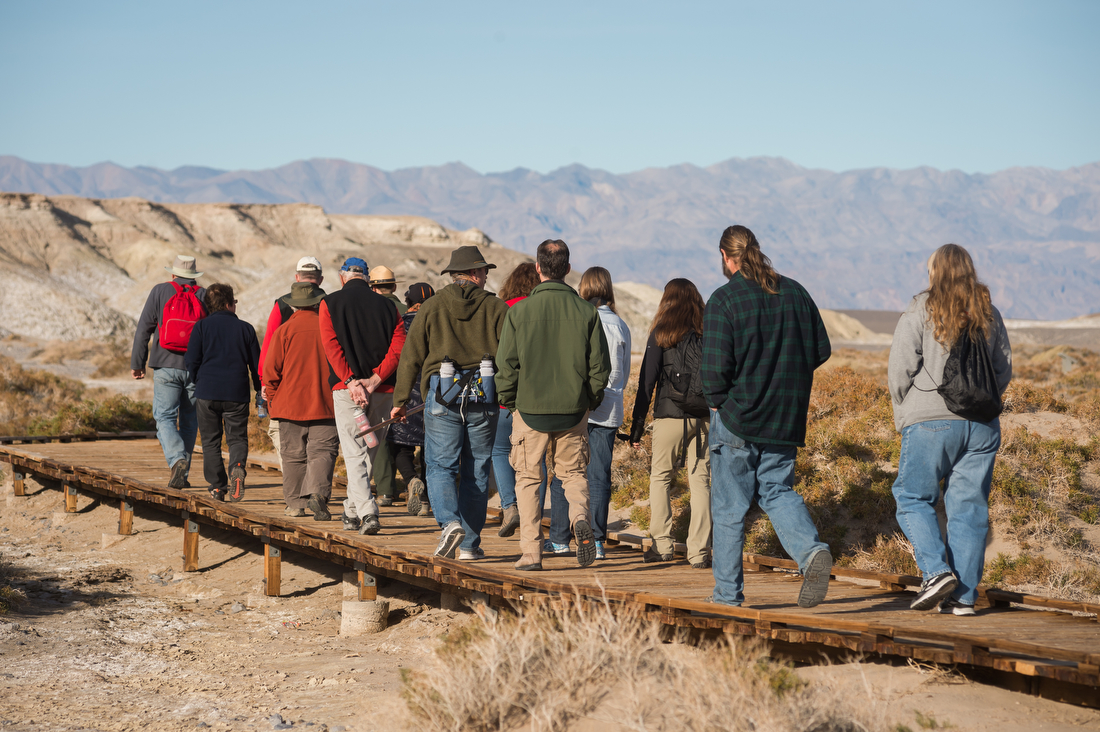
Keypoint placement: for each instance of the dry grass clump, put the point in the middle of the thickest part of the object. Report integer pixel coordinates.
(40, 403)
(111, 358)
(546, 669)
(1026, 572)
(10, 598)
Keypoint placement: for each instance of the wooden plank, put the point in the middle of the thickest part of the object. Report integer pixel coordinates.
(17, 483)
(190, 544)
(273, 568)
(71, 496)
(125, 517)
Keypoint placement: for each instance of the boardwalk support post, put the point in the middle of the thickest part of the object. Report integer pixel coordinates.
(70, 498)
(273, 569)
(190, 544)
(17, 483)
(366, 614)
(125, 517)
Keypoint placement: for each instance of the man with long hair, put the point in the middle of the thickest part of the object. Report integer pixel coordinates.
(554, 366)
(762, 339)
(938, 444)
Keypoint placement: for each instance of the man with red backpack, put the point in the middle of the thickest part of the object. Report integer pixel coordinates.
(169, 315)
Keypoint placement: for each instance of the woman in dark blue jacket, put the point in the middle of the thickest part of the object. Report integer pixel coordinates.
(221, 356)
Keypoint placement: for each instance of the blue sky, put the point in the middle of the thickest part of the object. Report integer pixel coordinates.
(977, 86)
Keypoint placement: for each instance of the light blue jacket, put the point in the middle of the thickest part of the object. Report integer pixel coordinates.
(610, 412)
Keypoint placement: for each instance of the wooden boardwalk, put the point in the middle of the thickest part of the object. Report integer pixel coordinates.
(1050, 646)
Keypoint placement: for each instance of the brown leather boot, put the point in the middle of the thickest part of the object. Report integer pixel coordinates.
(529, 563)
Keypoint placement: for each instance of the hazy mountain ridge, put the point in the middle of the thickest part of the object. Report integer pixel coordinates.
(856, 239)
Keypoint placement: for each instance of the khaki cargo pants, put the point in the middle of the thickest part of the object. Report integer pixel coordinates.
(570, 464)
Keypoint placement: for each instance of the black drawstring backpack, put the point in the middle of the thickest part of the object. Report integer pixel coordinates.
(969, 386)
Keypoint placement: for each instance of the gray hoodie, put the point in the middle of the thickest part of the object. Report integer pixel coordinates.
(917, 361)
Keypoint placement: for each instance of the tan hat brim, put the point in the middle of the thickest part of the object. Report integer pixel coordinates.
(183, 273)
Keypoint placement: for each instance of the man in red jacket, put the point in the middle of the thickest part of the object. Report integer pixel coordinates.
(295, 373)
(363, 336)
(308, 270)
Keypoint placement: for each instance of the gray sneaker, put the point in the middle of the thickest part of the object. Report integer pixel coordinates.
(385, 501)
(471, 555)
(815, 579)
(294, 512)
(451, 536)
(933, 590)
(351, 523)
(370, 526)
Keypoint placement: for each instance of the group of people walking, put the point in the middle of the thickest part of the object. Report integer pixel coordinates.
(530, 384)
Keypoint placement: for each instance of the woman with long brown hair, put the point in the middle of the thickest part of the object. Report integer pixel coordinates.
(936, 443)
(676, 434)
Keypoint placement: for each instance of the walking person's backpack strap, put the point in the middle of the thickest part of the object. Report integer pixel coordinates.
(178, 319)
(969, 386)
(685, 377)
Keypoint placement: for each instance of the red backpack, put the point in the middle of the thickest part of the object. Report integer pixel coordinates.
(181, 312)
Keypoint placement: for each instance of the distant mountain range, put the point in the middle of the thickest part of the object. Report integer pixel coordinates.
(857, 239)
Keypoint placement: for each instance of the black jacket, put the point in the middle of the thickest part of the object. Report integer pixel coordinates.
(221, 355)
(411, 431)
(656, 366)
(364, 322)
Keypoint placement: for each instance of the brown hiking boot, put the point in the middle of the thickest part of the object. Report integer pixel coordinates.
(509, 522)
(529, 563)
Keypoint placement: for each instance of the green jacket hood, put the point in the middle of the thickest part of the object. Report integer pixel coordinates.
(463, 302)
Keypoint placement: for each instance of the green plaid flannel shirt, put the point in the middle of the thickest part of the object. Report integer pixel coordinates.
(759, 356)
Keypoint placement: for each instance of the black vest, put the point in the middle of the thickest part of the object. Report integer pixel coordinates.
(364, 322)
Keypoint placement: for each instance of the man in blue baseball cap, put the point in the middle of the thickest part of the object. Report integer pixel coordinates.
(362, 335)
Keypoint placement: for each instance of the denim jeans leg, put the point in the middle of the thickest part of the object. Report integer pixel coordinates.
(601, 444)
(502, 470)
(443, 444)
(168, 393)
(923, 463)
(477, 458)
(785, 508)
(189, 417)
(966, 498)
(559, 513)
(732, 488)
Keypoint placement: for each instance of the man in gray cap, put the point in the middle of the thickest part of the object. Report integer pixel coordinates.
(170, 312)
(307, 270)
(455, 329)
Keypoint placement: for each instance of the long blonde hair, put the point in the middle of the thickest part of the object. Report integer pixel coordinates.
(740, 245)
(957, 300)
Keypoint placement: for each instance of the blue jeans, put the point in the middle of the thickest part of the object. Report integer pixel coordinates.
(174, 399)
(961, 454)
(503, 473)
(458, 448)
(742, 472)
(601, 445)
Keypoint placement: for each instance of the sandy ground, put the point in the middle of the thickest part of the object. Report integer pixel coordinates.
(116, 638)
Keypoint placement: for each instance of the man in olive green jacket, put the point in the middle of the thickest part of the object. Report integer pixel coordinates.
(553, 366)
(461, 322)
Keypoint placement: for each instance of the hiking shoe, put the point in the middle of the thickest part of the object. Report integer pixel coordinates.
(369, 526)
(652, 555)
(415, 500)
(586, 543)
(815, 579)
(351, 523)
(218, 494)
(703, 563)
(509, 521)
(951, 606)
(319, 509)
(933, 590)
(425, 510)
(529, 563)
(236, 482)
(471, 555)
(600, 553)
(449, 539)
(294, 512)
(550, 547)
(385, 501)
(179, 474)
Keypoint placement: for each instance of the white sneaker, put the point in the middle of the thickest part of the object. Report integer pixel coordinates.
(951, 606)
(471, 555)
(449, 539)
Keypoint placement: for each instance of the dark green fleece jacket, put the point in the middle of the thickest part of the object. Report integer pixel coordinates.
(553, 356)
(462, 322)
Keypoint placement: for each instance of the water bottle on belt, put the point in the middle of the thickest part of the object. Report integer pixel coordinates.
(446, 377)
(487, 380)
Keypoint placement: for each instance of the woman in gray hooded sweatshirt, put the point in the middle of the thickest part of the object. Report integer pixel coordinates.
(936, 443)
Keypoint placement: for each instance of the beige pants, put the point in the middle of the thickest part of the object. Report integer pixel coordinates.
(273, 433)
(570, 463)
(668, 443)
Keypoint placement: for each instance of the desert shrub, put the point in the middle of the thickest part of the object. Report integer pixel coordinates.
(110, 357)
(889, 554)
(1026, 572)
(113, 414)
(547, 669)
(1025, 396)
(10, 598)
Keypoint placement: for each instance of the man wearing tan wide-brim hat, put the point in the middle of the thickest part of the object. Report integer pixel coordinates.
(384, 282)
(174, 402)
